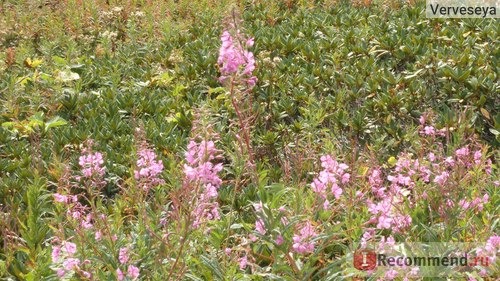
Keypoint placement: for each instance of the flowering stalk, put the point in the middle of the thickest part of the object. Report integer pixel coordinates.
(236, 65)
(92, 168)
(330, 180)
(147, 173)
(200, 189)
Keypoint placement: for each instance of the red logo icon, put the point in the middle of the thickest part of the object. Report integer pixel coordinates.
(365, 259)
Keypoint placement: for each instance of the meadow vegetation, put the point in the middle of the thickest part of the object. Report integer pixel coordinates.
(241, 140)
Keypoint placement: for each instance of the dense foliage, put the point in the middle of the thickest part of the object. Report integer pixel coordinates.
(242, 140)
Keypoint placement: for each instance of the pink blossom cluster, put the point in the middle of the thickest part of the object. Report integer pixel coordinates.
(132, 270)
(234, 58)
(303, 240)
(387, 215)
(243, 262)
(428, 130)
(475, 204)
(468, 158)
(65, 261)
(260, 226)
(148, 169)
(391, 193)
(330, 179)
(92, 164)
(491, 249)
(75, 210)
(92, 167)
(200, 172)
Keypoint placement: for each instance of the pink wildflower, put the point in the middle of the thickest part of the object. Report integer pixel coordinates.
(384, 222)
(92, 164)
(70, 248)
(234, 59)
(123, 255)
(477, 156)
(279, 240)
(60, 198)
(199, 170)
(71, 264)
(429, 131)
(133, 272)
(442, 178)
(260, 227)
(148, 169)
(302, 243)
(56, 252)
(243, 262)
(432, 157)
(119, 275)
(331, 176)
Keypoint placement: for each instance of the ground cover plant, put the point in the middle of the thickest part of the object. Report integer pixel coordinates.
(242, 140)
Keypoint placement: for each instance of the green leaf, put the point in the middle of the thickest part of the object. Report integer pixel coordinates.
(67, 75)
(55, 122)
(485, 113)
(236, 226)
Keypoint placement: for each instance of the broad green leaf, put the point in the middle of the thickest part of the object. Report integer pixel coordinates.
(55, 122)
(67, 75)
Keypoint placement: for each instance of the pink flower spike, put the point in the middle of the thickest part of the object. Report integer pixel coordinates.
(56, 251)
(70, 264)
(260, 227)
(422, 120)
(148, 169)
(250, 42)
(123, 255)
(70, 248)
(60, 198)
(243, 262)
(302, 243)
(133, 272)
(279, 240)
(61, 272)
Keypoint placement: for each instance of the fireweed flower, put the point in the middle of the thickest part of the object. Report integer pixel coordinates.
(243, 261)
(279, 240)
(302, 241)
(119, 274)
(92, 164)
(491, 249)
(148, 169)
(260, 227)
(429, 130)
(386, 215)
(64, 260)
(123, 255)
(133, 272)
(92, 167)
(200, 171)
(330, 179)
(235, 59)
